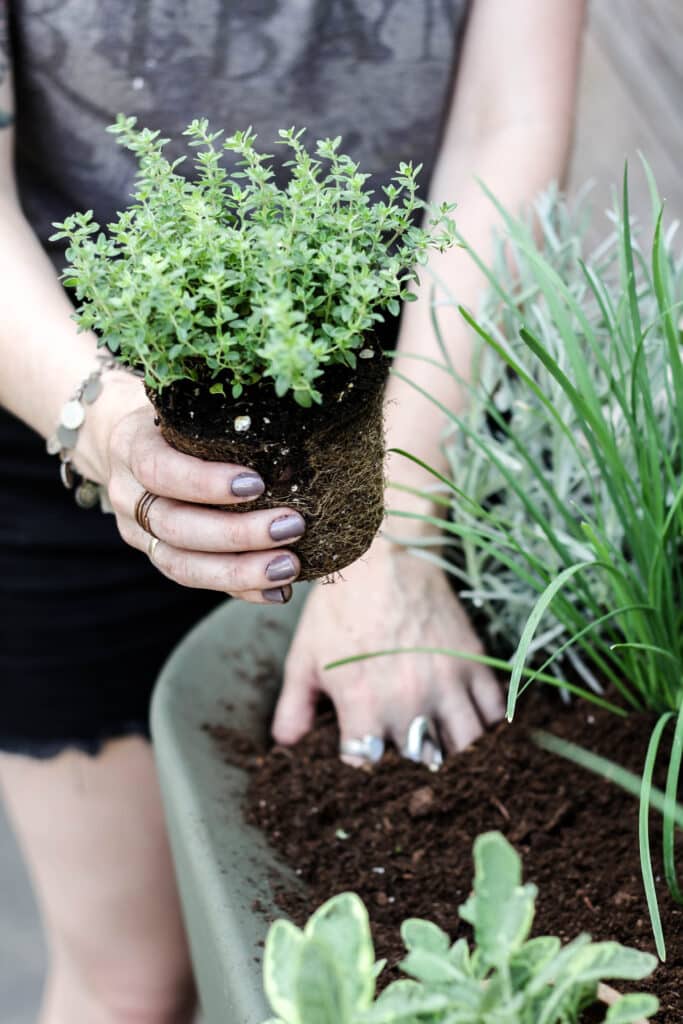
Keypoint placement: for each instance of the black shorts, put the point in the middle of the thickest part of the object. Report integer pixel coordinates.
(86, 622)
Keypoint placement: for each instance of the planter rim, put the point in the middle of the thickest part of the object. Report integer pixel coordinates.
(223, 866)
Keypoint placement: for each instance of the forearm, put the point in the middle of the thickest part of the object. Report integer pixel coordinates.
(515, 166)
(510, 126)
(42, 354)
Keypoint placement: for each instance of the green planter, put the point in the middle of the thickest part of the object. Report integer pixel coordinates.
(234, 657)
(222, 864)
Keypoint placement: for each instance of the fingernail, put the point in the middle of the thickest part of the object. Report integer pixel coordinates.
(279, 595)
(247, 485)
(287, 527)
(281, 568)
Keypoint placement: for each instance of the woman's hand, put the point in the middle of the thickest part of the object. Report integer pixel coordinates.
(388, 599)
(243, 554)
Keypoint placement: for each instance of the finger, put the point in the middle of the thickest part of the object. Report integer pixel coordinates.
(431, 750)
(228, 574)
(459, 723)
(162, 470)
(274, 595)
(359, 716)
(295, 709)
(487, 695)
(195, 528)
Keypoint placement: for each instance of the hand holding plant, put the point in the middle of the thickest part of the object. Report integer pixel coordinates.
(199, 546)
(253, 308)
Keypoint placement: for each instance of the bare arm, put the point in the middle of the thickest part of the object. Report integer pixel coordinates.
(42, 355)
(510, 125)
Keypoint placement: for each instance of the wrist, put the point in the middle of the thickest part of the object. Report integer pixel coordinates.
(122, 393)
(411, 518)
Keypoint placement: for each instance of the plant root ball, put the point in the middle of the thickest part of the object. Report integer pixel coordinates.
(326, 462)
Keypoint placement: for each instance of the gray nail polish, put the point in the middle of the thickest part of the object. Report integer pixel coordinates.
(278, 595)
(281, 568)
(287, 527)
(247, 485)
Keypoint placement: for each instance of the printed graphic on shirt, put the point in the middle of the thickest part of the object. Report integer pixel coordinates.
(376, 72)
(6, 118)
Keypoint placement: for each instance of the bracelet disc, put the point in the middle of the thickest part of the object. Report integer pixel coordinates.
(73, 415)
(92, 389)
(66, 437)
(87, 494)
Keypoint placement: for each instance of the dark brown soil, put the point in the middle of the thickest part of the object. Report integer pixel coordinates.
(327, 461)
(410, 831)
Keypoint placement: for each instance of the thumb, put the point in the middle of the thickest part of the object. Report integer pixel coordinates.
(295, 709)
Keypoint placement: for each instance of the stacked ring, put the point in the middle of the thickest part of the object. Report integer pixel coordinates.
(142, 507)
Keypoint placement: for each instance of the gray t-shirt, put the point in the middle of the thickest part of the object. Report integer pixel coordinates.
(377, 72)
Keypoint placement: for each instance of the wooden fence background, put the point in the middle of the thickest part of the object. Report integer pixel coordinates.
(630, 100)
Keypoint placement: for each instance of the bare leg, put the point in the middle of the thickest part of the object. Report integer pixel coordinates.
(93, 836)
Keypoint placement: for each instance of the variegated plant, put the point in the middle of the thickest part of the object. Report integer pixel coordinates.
(326, 973)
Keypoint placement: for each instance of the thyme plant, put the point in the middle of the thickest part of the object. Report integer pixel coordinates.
(326, 973)
(235, 278)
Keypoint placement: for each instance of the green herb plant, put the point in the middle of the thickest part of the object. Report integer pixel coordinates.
(326, 973)
(566, 484)
(617, 401)
(231, 275)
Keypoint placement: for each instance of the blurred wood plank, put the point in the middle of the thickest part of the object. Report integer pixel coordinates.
(631, 101)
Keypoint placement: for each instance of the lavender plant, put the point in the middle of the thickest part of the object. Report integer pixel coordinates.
(567, 487)
(566, 484)
(232, 276)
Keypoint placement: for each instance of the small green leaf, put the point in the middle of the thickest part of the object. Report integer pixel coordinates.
(632, 1008)
(459, 956)
(217, 389)
(281, 959)
(402, 1001)
(320, 991)
(501, 909)
(600, 960)
(424, 935)
(342, 926)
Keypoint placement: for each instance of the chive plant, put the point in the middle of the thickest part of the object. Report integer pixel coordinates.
(566, 485)
(569, 500)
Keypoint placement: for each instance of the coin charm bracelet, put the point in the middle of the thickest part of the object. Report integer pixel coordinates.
(62, 443)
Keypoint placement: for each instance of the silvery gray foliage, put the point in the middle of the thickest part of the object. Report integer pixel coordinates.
(326, 973)
(515, 298)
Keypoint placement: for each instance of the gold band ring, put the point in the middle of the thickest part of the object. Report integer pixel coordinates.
(142, 507)
(151, 547)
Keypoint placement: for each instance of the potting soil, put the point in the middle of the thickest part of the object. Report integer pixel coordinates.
(401, 836)
(326, 462)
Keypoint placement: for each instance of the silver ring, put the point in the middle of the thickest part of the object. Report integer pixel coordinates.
(422, 736)
(369, 748)
(151, 547)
